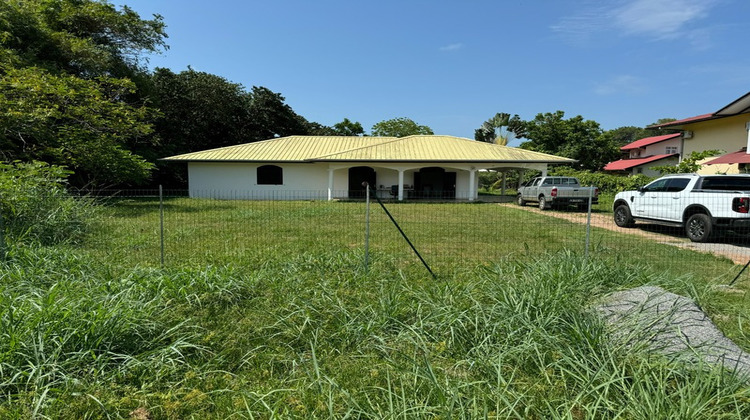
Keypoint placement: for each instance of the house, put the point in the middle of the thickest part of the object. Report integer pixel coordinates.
(727, 129)
(328, 167)
(642, 155)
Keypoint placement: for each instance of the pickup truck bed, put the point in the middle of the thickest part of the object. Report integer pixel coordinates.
(557, 191)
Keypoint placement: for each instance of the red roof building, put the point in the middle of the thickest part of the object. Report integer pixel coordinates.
(647, 152)
(629, 164)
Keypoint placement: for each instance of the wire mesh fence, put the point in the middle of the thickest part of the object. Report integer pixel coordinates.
(142, 228)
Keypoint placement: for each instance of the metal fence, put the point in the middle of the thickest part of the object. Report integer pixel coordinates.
(171, 228)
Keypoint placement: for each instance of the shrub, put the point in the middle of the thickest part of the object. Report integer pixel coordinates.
(605, 182)
(36, 206)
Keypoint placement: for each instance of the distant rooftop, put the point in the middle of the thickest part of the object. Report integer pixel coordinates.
(740, 105)
(649, 141)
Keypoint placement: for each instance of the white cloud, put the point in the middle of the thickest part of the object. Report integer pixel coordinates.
(622, 84)
(656, 19)
(661, 19)
(452, 47)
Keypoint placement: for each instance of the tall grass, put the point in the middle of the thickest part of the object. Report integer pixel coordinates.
(35, 205)
(314, 336)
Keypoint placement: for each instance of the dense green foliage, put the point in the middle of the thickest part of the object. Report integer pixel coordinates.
(81, 123)
(609, 183)
(574, 137)
(36, 207)
(399, 127)
(689, 164)
(85, 38)
(63, 92)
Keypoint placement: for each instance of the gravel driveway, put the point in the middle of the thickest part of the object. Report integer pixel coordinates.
(737, 252)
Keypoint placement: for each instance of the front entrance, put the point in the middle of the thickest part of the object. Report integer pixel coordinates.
(358, 175)
(434, 182)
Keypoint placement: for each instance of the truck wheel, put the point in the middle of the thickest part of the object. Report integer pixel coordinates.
(698, 228)
(521, 202)
(543, 203)
(623, 218)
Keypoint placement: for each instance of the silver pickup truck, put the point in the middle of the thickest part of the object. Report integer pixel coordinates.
(549, 191)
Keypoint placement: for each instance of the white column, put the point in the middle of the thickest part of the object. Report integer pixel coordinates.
(747, 127)
(472, 181)
(544, 171)
(330, 184)
(400, 185)
(504, 179)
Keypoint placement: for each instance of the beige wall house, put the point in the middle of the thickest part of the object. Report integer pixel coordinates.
(727, 129)
(329, 167)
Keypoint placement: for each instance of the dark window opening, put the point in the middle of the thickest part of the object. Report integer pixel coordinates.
(270, 175)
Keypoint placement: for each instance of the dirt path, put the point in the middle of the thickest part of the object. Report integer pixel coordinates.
(739, 253)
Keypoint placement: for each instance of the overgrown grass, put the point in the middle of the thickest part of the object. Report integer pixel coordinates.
(315, 336)
(265, 310)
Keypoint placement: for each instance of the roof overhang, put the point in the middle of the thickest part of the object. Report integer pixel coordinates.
(626, 164)
(740, 105)
(731, 158)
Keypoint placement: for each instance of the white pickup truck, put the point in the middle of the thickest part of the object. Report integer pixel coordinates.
(701, 204)
(549, 191)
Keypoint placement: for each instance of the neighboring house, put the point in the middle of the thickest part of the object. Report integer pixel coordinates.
(642, 155)
(727, 129)
(328, 167)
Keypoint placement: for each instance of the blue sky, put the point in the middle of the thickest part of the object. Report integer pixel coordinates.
(451, 65)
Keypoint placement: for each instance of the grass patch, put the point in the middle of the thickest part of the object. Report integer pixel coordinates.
(314, 336)
(264, 310)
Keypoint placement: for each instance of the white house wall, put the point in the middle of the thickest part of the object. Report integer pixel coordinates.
(661, 147)
(239, 181)
(226, 180)
(647, 168)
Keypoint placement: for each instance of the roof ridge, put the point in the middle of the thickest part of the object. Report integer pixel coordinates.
(393, 139)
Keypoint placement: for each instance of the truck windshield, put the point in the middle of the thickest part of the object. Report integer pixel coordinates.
(734, 183)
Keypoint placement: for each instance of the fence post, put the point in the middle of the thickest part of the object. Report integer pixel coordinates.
(3, 250)
(588, 224)
(161, 224)
(367, 227)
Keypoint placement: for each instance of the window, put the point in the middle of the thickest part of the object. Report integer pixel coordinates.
(671, 150)
(658, 185)
(677, 184)
(732, 183)
(270, 175)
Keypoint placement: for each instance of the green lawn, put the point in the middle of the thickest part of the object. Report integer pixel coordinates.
(265, 310)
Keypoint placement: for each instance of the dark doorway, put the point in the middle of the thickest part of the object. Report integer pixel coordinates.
(434, 182)
(358, 175)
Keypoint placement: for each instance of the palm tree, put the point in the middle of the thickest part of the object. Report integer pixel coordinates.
(495, 130)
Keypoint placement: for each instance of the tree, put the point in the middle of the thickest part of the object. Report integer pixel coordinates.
(270, 117)
(497, 129)
(574, 138)
(66, 95)
(348, 128)
(689, 164)
(625, 135)
(85, 38)
(201, 111)
(399, 127)
(73, 122)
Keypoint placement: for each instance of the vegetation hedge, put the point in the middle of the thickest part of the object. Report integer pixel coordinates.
(36, 206)
(605, 182)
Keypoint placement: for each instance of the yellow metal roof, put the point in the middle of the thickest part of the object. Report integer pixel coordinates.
(369, 149)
